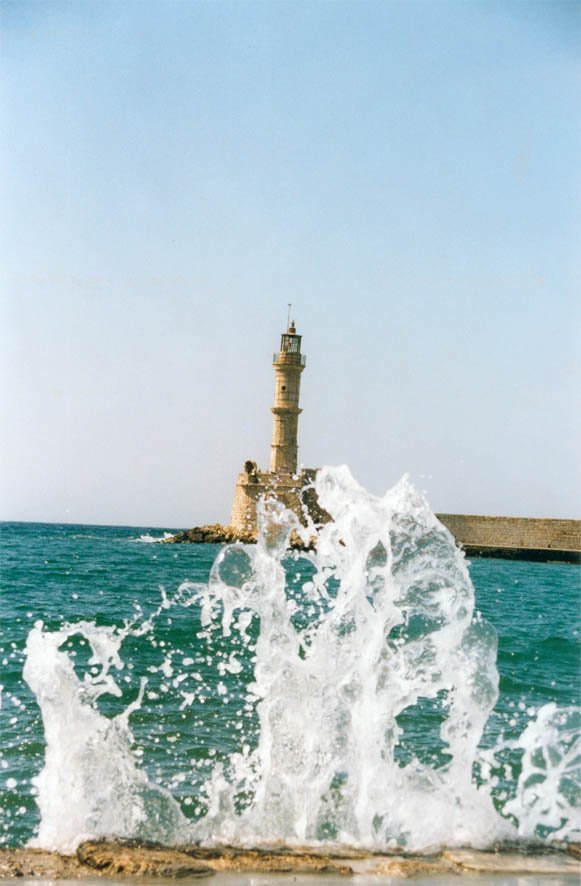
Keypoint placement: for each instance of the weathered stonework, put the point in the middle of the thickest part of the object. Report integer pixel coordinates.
(288, 366)
(294, 491)
(523, 538)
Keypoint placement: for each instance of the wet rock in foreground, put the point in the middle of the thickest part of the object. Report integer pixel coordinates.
(40, 863)
(512, 862)
(131, 859)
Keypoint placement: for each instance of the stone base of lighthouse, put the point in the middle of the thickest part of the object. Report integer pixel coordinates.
(294, 491)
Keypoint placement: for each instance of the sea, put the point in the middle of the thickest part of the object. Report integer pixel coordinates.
(382, 691)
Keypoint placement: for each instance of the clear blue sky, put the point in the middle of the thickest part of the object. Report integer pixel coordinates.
(406, 173)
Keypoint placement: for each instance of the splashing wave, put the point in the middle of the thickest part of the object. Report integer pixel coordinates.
(376, 627)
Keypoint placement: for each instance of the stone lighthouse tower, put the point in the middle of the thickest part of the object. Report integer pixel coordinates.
(281, 481)
(288, 366)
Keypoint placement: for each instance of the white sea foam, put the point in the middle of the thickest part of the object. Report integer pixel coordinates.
(383, 624)
(91, 784)
(152, 539)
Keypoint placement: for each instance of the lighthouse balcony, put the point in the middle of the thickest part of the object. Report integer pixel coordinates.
(290, 359)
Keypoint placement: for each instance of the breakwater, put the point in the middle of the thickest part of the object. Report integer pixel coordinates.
(518, 538)
(507, 538)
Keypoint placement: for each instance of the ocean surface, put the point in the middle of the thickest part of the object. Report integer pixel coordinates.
(165, 706)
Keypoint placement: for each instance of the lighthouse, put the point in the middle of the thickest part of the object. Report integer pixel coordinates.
(283, 481)
(288, 366)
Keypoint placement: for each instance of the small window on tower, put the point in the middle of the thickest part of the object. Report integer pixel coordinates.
(283, 388)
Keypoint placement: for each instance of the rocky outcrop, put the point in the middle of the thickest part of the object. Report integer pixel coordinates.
(211, 534)
(133, 859)
(217, 534)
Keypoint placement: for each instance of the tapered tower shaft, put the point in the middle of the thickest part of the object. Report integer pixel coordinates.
(288, 366)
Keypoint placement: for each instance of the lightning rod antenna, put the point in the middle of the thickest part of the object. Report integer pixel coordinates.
(289, 315)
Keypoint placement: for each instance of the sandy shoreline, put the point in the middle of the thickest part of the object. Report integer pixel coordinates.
(230, 866)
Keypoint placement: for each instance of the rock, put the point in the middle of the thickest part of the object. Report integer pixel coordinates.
(133, 859)
(402, 867)
(217, 534)
(512, 862)
(284, 860)
(140, 860)
(214, 534)
(39, 863)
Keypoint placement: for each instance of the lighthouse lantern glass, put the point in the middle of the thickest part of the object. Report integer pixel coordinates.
(291, 344)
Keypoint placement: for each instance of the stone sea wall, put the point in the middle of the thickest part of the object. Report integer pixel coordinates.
(518, 538)
(521, 537)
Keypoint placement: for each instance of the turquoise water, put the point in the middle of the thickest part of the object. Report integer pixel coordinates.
(194, 713)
